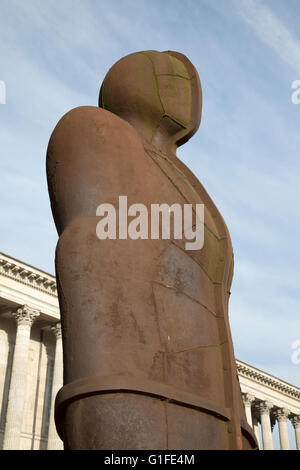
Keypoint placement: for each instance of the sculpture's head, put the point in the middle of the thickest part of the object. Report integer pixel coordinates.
(158, 93)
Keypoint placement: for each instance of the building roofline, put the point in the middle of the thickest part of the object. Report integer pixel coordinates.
(267, 373)
(27, 264)
(26, 274)
(265, 378)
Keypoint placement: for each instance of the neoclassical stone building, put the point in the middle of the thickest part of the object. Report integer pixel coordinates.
(31, 369)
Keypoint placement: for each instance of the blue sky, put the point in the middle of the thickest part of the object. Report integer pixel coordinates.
(54, 56)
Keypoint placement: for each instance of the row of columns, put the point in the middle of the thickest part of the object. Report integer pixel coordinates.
(25, 317)
(261, 411)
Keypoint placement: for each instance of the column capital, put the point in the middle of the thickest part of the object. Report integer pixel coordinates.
(265, 407)
(281, 414)
(26, 315)
(56, 330)
(296, 421)
(248, 398)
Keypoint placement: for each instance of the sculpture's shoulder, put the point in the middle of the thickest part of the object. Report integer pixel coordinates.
(91, 158)
(91, 124)
(88, 117)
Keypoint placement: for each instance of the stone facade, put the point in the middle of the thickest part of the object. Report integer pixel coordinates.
(31, 370)
(268, 400)
(28, 310)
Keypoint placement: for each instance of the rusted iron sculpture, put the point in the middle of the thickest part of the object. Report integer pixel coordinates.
(148, 355)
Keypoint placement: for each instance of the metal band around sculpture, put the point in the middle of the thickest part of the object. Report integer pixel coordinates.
(113, 384)
(97, 385)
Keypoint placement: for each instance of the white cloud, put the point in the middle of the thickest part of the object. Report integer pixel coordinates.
(271, 31)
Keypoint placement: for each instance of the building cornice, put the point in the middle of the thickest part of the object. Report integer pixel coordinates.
(25, 274)
(260, 377)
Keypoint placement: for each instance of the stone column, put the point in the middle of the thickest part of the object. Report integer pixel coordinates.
(296, 423)
(281, 416)
(25, 317)
(248, 399)
(267, 438)
(255, 428)
(54, 441)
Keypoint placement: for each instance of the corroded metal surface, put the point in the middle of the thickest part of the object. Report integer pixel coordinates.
(148, 355)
